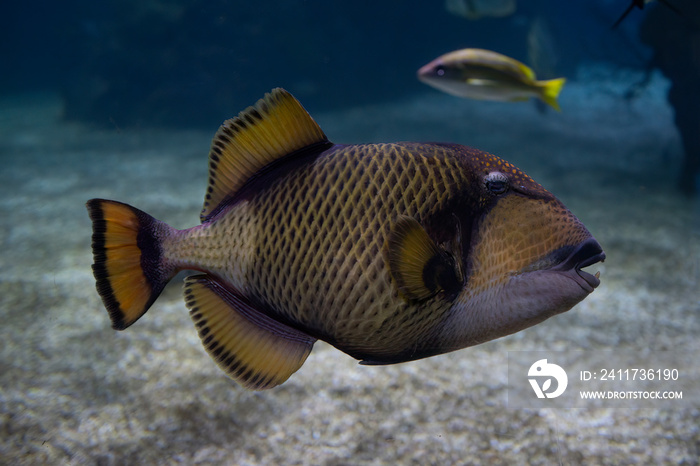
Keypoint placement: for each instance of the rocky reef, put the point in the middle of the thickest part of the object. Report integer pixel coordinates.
(675, 38)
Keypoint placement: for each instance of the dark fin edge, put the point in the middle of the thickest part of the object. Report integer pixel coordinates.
(277, 126)
(253, 349)
(129, 270)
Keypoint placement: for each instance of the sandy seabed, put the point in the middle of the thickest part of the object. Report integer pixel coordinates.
(74, 391)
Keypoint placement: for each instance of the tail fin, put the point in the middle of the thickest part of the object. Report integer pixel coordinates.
(129, 267)
(551, 90)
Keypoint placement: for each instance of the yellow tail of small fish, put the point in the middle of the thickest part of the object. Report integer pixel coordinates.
(550, 91)
(129, 268)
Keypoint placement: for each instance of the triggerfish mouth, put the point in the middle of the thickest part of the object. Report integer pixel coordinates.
(389, 252)
(487, 75)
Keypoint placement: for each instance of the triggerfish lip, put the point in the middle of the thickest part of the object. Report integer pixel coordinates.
(587, 253)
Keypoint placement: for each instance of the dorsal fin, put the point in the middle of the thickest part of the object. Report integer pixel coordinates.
(276, 126)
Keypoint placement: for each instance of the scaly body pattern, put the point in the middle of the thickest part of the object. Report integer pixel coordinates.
(390, 252)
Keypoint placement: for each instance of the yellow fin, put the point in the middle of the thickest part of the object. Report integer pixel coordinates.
(421, 269)
(253, 349)
(550, 91)
(275, 127)
(129, 267)
(525, 70)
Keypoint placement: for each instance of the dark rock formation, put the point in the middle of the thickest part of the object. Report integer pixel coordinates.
(676, 43)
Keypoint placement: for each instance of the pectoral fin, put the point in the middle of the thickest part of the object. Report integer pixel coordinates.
(256, 351)
(420, 268)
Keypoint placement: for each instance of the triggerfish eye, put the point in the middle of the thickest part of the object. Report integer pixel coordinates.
(496, 182)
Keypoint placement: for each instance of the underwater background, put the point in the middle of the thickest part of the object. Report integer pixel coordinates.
(120, 100)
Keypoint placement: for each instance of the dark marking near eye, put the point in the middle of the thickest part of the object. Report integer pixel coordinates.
(440, 273)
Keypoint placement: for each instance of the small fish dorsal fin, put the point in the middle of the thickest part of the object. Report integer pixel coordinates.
(275, 127)
(420, 268)
(525, 70)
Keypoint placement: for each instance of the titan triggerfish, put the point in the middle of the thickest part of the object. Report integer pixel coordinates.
(389, 252)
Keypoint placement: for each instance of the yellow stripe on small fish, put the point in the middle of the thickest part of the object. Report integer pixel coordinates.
(487, 75)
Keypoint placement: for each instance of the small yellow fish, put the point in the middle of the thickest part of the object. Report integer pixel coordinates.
(483, 74)
(389, 252)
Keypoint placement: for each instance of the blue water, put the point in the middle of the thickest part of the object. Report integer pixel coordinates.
(120, 100)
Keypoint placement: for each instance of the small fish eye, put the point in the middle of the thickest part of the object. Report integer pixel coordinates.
(496, 182)
(440, 70)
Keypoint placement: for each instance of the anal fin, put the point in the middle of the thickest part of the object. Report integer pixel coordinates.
(252, 348)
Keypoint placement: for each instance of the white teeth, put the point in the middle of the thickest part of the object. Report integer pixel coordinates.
(597, 274)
